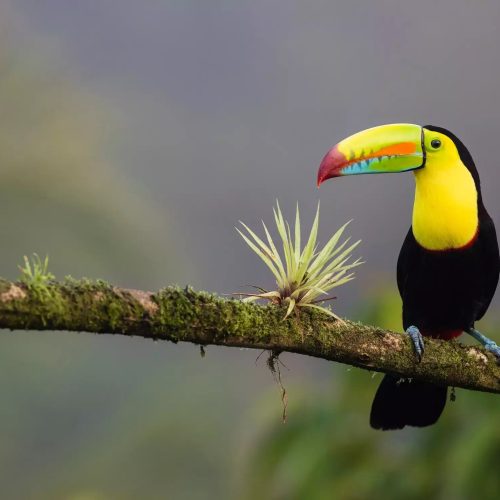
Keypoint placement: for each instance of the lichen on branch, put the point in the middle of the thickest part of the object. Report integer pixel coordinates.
(184, 315)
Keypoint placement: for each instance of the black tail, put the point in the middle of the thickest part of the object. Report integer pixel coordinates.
(403, 402)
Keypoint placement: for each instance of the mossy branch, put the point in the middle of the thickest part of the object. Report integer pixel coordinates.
(183, 315)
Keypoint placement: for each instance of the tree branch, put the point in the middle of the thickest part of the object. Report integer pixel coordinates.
(187, 316)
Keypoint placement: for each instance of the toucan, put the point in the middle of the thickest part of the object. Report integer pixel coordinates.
(448, 267)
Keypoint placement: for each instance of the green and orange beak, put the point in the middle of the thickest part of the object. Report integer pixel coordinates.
(388, 148)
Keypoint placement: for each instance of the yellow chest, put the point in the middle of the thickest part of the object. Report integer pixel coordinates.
(445, 214)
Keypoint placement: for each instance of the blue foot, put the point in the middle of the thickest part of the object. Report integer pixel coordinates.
(488, 344)
(418, 341)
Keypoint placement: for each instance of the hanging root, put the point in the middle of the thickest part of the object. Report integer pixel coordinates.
(273, 363)
(453, 395)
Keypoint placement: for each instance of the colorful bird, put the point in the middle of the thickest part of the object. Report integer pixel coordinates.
(448, 267)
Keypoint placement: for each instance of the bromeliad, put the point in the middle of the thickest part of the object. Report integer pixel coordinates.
(304, 276)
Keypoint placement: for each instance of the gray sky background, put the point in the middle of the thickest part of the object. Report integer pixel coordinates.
(221, 107)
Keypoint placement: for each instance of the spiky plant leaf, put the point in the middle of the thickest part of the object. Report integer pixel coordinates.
(262, 255)
(304, 276)
(291, 305)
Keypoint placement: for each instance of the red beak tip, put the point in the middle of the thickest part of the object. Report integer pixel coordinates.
(331, 165)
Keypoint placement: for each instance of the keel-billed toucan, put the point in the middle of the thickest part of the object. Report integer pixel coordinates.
(449, 264)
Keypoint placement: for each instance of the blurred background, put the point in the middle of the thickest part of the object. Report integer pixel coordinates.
(133, 137)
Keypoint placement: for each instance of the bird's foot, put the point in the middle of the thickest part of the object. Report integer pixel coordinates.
(487, 343)
(493, 348)
(418, 341)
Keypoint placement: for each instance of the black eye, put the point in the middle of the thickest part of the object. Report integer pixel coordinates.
(435, 143)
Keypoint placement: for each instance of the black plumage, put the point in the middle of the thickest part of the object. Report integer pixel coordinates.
(443, 293)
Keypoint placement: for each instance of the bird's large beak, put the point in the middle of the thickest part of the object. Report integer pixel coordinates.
(388, 148)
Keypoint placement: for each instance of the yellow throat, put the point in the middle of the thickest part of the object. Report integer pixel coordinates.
(445, 213)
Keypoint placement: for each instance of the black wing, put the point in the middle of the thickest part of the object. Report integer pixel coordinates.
(489, 258)
(407, 260)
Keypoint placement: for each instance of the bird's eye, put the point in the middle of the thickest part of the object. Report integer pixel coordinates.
(435, 143)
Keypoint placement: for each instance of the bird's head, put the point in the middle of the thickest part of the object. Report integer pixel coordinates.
(447, 182)
(398, 147)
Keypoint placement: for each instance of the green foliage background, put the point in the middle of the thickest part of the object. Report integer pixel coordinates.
(327, 450)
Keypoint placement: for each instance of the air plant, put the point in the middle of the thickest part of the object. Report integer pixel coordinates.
(304, 277)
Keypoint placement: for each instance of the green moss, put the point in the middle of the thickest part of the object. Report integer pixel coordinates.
(216, 317)
(77, 305)
(185, 315)
(174, 312)
(39, 305)
(100, 306)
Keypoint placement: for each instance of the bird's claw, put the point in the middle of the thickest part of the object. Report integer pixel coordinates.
(487, 343)
(493, 348)
(418, 341)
